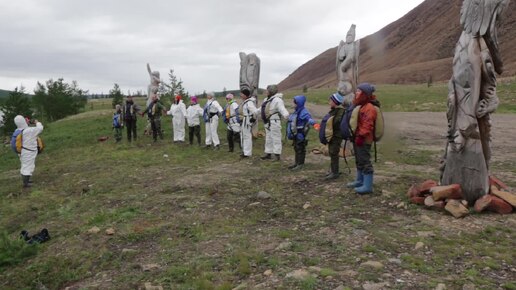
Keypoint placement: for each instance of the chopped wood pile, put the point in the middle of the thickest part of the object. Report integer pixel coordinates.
(449, 197)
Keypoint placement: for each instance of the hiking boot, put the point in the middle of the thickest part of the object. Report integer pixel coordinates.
(267, 156)
(298, 167)
(332, 176)
(242, 156)
(216, 147)
(207, 146)
(24, 235)
(276, 157)
(292, 166)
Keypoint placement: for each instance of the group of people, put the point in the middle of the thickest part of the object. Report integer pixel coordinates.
(239, 120)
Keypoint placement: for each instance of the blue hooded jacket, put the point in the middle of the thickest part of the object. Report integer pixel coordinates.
(302, 117)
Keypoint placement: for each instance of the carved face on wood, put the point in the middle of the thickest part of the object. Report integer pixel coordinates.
(350, 37)
(249, 71)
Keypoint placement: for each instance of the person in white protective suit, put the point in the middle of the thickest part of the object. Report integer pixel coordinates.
(232, 120)
(271, 111)
(178, 113)
(29, 149)
(248, 113)
(193, 115)
(212, 110)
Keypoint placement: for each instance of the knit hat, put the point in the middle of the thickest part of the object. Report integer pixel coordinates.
(178, 98)
(337, 98)
(272, 89)
(246, 92)
(193, 99)
(229, 97)
(367, 88)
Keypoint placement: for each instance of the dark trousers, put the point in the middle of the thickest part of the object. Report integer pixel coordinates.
(233, 137)
(156, 128)
(334, 151)
(194, 130)
(300, 151)
(130, 124)
(363, 158)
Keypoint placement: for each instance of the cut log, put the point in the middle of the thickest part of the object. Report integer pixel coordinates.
(497, 182)
(429, 201)
(507, 196)
(456, 208)
(482, 203)
(499, 205)
(418, 200)
(446, 192)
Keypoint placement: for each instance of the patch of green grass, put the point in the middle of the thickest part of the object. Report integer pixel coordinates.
(14, 251)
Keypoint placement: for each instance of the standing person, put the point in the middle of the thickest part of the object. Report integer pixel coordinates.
(232, 119)
(334, 144)
(129, 111)
(117, 123)
(193, 115)
(271, 112)
(298, 126)
(178, 113)
(212, 110)
(248, 112)
(154, 111)
(364, 137)
(29, 150)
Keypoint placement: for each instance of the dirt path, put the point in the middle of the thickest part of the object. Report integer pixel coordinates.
(429, 129)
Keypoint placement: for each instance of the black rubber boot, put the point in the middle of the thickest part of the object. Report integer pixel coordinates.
(276, 157)
(25, 179)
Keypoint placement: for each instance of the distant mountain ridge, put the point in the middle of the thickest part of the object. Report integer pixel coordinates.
(412, 49)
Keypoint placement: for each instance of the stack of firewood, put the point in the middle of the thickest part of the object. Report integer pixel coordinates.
(450, 198)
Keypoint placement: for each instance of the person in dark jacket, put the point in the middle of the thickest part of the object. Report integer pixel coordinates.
(154, 112)
(130, 111)
(334, 145)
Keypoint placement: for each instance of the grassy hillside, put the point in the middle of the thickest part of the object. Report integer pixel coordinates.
(414, 98)
(189, 218)
(4, 93)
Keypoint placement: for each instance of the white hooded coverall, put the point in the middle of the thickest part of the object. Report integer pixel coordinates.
(248, 111)
(212, 135)
(273, 131)
(29, 145)
(178, 113)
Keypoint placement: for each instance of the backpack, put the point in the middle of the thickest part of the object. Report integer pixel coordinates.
(17, 142)
(326, 129)
(265, 111)
(292, 126)
(227, 114)
(345, 128)
(116, 120)
(352, 123)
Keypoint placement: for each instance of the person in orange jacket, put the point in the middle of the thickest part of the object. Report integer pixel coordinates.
(364, 137)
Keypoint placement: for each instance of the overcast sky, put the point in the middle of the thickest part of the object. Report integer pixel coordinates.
(100, 42)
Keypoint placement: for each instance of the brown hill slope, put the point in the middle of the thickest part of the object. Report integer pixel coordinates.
(409, 50)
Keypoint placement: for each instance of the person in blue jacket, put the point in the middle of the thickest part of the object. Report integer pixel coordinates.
(298, 125)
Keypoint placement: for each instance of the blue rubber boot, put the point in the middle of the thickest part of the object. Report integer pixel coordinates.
(358, 181)
(367, 187)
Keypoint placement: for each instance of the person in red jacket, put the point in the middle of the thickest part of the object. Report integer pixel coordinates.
(364, 138)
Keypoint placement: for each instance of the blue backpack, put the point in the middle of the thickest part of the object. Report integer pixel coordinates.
(345, 128)
(13, 140)
(226, 116)
(206, 114)
(116, 120)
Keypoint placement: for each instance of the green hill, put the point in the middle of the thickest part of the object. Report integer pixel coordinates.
(4, 93)
(184, 217)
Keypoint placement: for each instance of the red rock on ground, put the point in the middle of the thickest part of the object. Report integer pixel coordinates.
(507, 196)
(482, 203)
(453, 191)
(497, 182)
(499, 205)
(418, 200)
